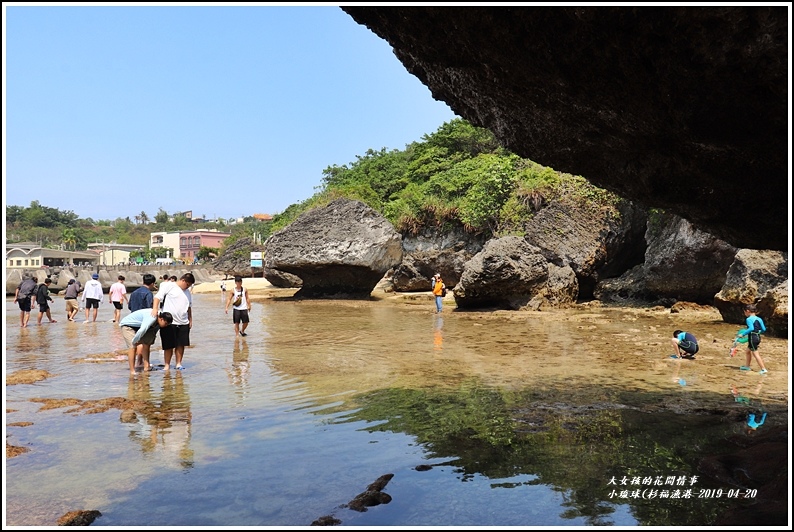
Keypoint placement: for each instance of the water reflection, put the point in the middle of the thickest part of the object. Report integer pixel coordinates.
(438, 336)
(291, 422)
(162, 418)
(239, 368)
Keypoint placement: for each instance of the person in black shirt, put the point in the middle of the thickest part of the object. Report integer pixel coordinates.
(43, 298)
(143, 297)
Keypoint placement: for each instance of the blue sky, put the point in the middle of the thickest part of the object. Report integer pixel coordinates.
(224, 110)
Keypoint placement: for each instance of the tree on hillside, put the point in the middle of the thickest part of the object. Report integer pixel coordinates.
(144, 218)
(37, 215)
(69, 236)
(161, 217)
(14, 214)
(122, 224)
(459, 136)
(181, 222)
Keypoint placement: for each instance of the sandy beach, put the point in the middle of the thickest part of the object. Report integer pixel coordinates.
(251, 283)
(260, 288)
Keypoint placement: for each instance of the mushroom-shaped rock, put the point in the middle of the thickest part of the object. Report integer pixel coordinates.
(340, 250)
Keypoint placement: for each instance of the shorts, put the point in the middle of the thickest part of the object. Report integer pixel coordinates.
(753, 341)
(71, 304)
(24, 304)
(689, 347)
(91, 303)
(147, 339)
(239, 316)
(118, 305)
(175, 336)
(44, 307)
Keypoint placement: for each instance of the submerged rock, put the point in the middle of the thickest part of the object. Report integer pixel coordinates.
(78, 518)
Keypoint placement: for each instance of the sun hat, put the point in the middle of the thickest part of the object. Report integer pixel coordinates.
(95, 276)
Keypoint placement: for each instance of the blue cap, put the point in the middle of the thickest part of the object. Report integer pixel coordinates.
(95, 276)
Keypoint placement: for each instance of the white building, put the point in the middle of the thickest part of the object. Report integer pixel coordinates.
(165, 239)
(29, 255)
(111, 253)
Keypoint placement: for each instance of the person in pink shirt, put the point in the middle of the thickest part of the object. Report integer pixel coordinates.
(118, 295)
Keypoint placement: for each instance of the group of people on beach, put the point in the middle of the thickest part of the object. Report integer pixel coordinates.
(686, 345)
(167, 308)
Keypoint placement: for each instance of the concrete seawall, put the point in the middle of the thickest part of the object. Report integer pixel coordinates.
(107, 275)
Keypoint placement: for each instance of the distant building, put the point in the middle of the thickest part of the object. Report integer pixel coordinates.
(186, 244)
(185, 214)
(111, 253)
(164, 239)
(30, 255)
(263, 217)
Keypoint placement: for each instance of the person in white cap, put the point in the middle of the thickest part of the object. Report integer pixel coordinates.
(92, 296)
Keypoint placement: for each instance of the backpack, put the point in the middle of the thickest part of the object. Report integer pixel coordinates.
(443, 290)
(27, 288)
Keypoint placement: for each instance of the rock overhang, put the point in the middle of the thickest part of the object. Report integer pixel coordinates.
(679, 108)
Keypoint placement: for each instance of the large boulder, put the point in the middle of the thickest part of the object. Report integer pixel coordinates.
(773, 307)
(681, 263)
(596, 241)
(434, 251)
(340, 250)
(510, 273)
(236, 258)
(754, 276)
(676, 107)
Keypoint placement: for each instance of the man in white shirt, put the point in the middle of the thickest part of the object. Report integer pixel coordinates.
(139, 331)
(178, 303)
(92, 296)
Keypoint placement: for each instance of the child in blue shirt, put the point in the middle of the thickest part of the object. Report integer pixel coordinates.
(685, 344)
(755, 326)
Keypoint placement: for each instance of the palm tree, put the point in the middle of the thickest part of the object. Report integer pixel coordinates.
(144, 218)
(137, 219)
(69, 237)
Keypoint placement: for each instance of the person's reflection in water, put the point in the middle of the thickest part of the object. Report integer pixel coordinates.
(163, 428)
(35, 344)
(139, 392)
(438, 337)
(173, 428)
(26, 343)
(677, 371)
(240, 367)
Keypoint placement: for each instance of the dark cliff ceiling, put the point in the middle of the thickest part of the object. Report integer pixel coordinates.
(680, 108)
